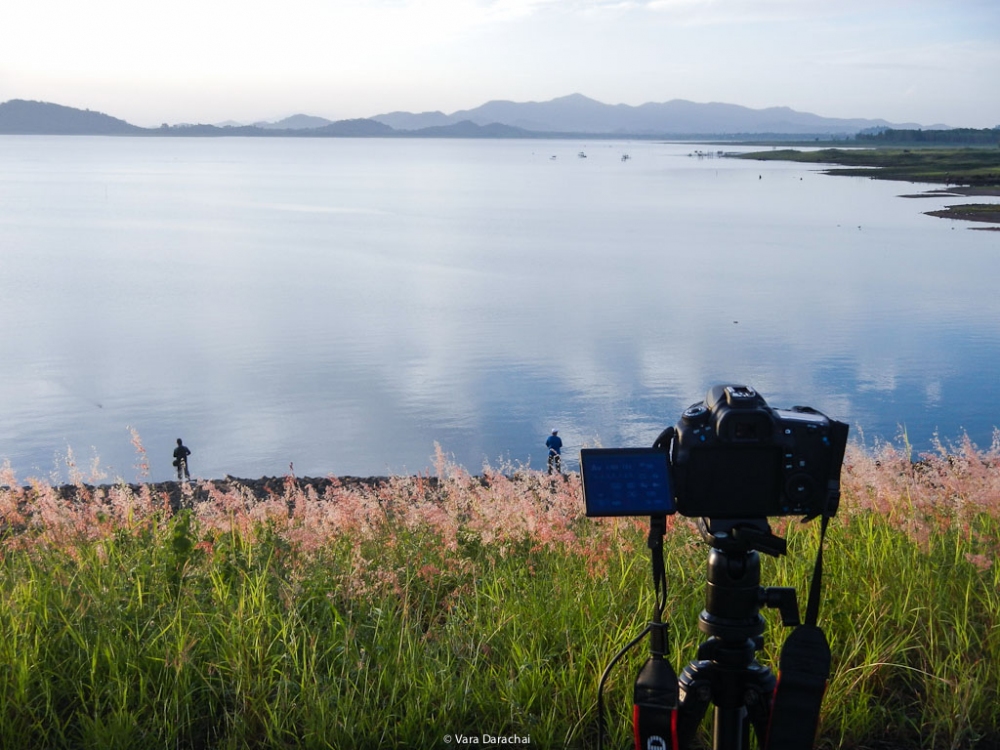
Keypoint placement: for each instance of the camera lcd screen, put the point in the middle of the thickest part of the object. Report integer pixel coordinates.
(626, 482)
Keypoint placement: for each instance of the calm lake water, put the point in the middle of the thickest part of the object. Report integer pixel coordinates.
(344, 304)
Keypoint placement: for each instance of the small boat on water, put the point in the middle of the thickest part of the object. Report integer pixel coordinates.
(582, 155)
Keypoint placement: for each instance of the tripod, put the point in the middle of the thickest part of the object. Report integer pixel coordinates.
(726, 672)
(783, 711)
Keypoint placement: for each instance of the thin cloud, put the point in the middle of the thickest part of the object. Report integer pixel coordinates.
(923, 58)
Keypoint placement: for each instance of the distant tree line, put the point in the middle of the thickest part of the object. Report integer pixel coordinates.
(965, 136)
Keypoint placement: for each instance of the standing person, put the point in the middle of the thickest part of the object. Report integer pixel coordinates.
(181, 453)
(554, 443)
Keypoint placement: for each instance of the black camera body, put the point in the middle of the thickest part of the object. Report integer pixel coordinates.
(730, 456)
(736, 457)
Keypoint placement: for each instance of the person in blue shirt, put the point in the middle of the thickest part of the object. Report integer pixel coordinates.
(554, 443)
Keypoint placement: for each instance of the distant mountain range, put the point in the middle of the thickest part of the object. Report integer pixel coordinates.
(19, 117)
(578, 114)
(568, 116)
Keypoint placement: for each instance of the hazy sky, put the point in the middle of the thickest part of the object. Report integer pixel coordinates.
(924, 61)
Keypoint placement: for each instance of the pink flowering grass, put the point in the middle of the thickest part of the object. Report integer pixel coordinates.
(341, 613)
(956, 487)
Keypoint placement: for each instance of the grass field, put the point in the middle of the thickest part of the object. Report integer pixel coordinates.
(421, 610)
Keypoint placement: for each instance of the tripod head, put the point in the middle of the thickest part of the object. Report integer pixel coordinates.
(734, 596)
(741, 535)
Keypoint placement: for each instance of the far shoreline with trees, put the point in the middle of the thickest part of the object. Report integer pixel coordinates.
(967, 171)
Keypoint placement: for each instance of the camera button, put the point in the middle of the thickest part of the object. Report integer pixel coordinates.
(800, 487)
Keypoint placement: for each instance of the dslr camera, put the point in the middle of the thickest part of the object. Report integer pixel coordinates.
(730, 456)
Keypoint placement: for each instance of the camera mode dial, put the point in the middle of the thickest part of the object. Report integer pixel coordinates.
(696, 413)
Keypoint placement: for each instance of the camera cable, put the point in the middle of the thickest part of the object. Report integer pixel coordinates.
(656, 691)
(601, 726)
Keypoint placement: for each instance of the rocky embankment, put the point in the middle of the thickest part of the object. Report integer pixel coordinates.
(185, 494)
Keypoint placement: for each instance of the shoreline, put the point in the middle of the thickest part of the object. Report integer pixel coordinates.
(184, 494)
(983, 213)
(960, 173)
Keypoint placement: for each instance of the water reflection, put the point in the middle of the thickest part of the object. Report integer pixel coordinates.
(344, 304)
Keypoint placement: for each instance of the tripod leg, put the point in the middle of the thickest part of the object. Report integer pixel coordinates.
(738, 705)
(759, 690)
(695, 684)
(730, 729)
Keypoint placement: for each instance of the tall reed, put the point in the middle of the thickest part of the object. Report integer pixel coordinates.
(337, 614)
